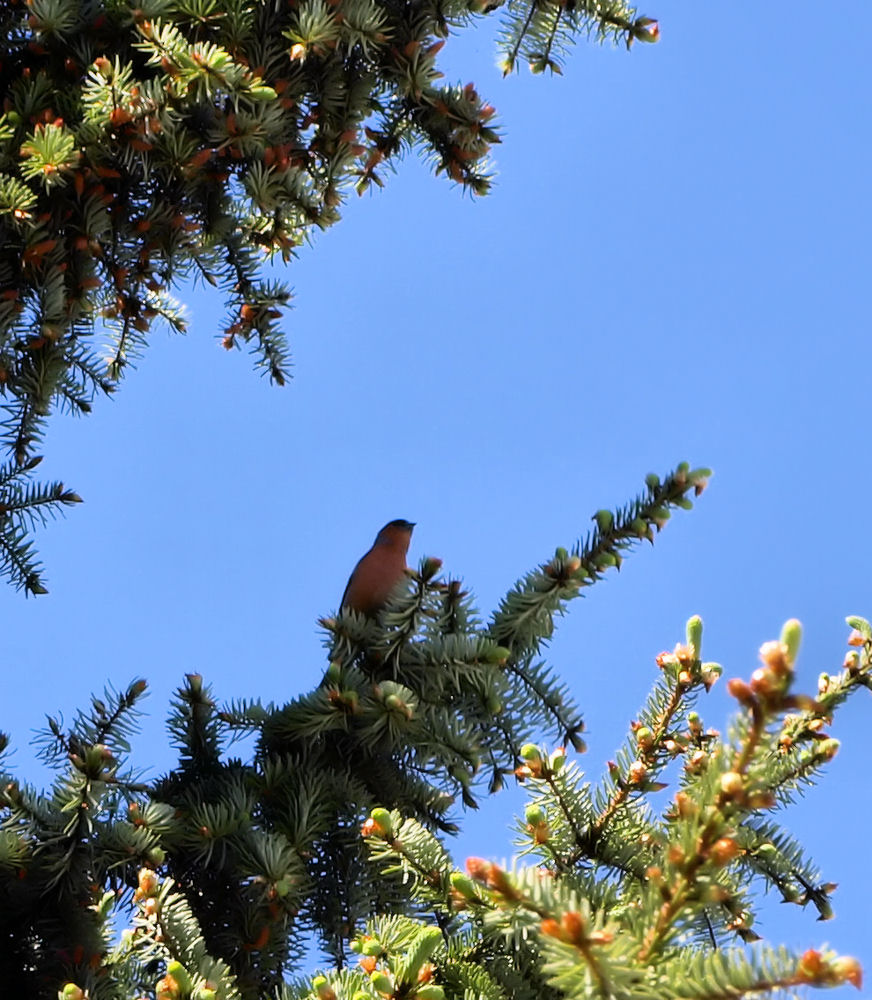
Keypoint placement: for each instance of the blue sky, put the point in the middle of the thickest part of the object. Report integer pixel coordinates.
(671, 265)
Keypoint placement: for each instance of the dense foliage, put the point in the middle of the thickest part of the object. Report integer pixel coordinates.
(219, 873)
(145, 143)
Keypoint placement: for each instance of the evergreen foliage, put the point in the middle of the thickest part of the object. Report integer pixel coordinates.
(207, 883)
(143, 144)
(626, 900)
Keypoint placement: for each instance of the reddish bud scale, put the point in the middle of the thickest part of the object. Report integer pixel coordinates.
(810, 965)
(723, 851)
(120, 116)
(848, 970)
(573, 925)
(541, 833)
(371, 829)
(740, 691)
(478, 868)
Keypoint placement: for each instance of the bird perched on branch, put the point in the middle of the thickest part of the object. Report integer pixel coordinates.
(380, 571)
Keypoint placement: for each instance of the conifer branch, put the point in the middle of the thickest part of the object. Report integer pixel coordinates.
(23, 505)
(526, 614)
(686, 876)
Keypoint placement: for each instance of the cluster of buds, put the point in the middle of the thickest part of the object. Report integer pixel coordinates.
(537, 823)
(535, 764)
(859, 668)
(768, 689)
(572, 929)
(399, 704)
(650, 747)
(684, 476)
(371, 951)
(176, 984)
(148, 885)
(708, 830)
(464, 892)
(852, 663)
(797, 729)
(493, 877)
(565, 568)
(134, 814)
(409, 978)
(379, 824)
(147, 892)
(387, 985)
(669, 745)
(638, 775)
(684, 806)
(323, 988)
(96, 762)
(696, 761)
(344, 700)
(723, 851)
(735, 788)
(828, 969)
(861, 631)
(684, 665)
(809, 725)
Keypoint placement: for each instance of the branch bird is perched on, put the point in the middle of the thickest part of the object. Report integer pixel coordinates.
(380, 571)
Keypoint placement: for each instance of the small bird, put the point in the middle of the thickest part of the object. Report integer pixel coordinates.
(379, 572)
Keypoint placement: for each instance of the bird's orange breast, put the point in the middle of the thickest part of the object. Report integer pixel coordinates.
(374, 579)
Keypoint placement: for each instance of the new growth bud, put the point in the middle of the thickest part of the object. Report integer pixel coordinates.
(791, 635)
(694, 636)
(723, 851)
(732, 784)
(382, 819)
(645, 29)
(605, 520)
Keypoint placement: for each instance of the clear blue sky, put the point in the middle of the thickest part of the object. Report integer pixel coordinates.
(671, 265)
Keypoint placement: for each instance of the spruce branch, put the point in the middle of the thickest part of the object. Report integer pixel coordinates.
(656, 736)
(650, 927)
(165, 929)
(25, 505)
(526, 614)
(194, 724)
(771, 852)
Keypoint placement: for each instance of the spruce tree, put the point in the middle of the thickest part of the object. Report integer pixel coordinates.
(209, 882)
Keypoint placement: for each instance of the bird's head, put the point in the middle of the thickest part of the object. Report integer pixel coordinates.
(398, 532)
